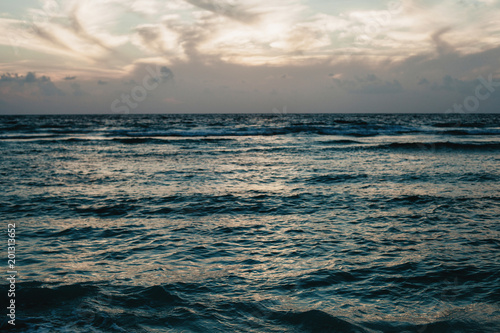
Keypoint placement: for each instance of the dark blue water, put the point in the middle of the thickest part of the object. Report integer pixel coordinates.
(254, 223)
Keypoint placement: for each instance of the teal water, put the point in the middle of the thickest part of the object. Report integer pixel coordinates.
(254, 223)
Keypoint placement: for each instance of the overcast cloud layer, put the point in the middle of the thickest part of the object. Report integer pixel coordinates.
(228, 56)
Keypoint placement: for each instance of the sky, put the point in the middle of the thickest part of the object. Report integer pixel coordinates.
(249, 56)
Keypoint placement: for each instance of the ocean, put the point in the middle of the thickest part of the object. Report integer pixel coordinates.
(252, 222)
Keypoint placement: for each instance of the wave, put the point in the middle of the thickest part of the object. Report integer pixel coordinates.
(159, 140)
(432, 146)
(339, 142)
(439, 326)
(108, 306)
(461, 125)
(85, 307)
(318, 321)
(337, 178)
(315, 320)
(29, 137)
(352, 130)
(472, 132)
(127, 136)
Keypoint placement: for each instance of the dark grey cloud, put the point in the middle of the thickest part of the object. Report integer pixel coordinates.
(48, 88)
(78, 91)
(45, 87)
(30, 77)
(154, 72)
(450, 61)
(166, 72)
(69, 78)
(370, 84)
(8, 77)
(101, 82)
(423, 82)
(236, 12)
(150, 36)
(130, 83)
(442, 47)
(49, 37)
(472, 3)
(191, 37)
(149, 33)
(451, 84)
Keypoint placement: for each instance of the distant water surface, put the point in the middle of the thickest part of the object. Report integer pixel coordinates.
(254, 223)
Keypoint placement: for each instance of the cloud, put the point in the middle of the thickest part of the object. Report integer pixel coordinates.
(78, 28)
(49, 36)
(256, 32)
(442, 47)
(49, 89)
(78, 91)
(192, 36)
(29, 83)
(72, 29)
(30, 77)
(143, 7)
(370, 84)
(452, 84)
(155, 38)
(137, 71)
(214, 35)
(431, 48)
(424, 82)
(230, 9)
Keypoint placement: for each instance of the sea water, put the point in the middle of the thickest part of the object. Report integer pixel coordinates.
(253, 223)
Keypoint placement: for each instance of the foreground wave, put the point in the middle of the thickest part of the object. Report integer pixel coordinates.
(101, 307)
